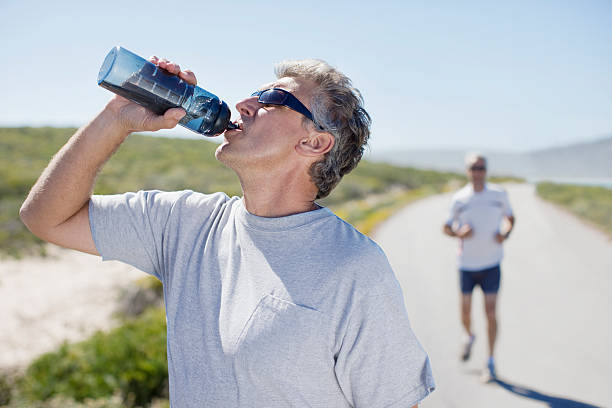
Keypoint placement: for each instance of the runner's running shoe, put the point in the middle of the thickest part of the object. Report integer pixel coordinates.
(467, 348)
(488, 374)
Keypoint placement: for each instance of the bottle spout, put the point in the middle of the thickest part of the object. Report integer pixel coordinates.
(232, 125)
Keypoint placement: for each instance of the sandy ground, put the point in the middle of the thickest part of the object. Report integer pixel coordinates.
(44, 301)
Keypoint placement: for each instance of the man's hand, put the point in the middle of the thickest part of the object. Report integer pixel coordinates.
(135, 118)
(465, 231)
(502, 237)
(499, 238)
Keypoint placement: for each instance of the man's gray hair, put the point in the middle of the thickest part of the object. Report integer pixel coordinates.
(337, 108)
(473, 157)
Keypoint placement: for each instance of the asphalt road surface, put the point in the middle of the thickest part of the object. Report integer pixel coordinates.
(554, 344)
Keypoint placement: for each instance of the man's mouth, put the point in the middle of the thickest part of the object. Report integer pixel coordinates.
(236, 125)
(233, 125)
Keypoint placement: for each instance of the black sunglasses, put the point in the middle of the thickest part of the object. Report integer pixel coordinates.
(277, 96)
(478, 168)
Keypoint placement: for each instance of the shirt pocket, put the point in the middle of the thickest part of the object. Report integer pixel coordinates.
(285, 340)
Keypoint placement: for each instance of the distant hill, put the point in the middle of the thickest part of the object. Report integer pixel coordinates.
(590, 160)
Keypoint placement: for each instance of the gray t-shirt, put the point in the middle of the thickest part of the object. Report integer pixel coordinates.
(296, 311)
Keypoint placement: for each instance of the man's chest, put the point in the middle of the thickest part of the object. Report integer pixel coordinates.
(483, 211)
(246, 306)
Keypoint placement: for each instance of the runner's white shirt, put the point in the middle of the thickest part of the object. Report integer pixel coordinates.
(483, 211)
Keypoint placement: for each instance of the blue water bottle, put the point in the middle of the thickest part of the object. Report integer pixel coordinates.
(143, 82)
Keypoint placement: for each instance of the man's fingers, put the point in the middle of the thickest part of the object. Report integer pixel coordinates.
(163, 63)
(188, 76)
(173, 68)
(166, 121)
(169, 66)
(173, 116)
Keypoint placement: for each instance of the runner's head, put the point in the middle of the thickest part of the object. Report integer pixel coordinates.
(476, 166)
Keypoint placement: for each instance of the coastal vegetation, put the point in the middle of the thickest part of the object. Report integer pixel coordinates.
(591, 203)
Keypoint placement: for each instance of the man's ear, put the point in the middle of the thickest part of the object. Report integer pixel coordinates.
(316, 144)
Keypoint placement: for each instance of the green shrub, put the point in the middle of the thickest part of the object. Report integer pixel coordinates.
(588, 202)
(63, 402)
(130, 359)
(6, 387)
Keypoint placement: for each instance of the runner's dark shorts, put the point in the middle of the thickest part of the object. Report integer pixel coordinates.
(488, 279)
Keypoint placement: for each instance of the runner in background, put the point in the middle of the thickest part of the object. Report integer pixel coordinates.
(476, 216)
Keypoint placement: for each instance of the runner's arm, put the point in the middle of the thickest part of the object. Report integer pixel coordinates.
(511, 220)
(448, 230)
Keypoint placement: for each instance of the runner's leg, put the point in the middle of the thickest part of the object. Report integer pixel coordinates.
(466, 312)
(490, 310)
(467, 286)
(490, 286)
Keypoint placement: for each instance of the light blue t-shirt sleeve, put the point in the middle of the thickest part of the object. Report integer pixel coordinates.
(131, 227)
(453, 214)
(381, 363)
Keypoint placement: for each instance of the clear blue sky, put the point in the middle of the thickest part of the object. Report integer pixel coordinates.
(434, 74)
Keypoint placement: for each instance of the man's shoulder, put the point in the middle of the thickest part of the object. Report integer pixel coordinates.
(195, 208)
(178, 205)
(197, 199)
(357, 255)
(463, 193)
(496, 189)
(352, 240)
(160, 197)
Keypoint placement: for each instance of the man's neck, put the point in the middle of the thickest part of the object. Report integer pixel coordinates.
(478, 187)
(278, 196)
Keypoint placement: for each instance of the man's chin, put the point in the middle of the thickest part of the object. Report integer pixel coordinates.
(221, 149)
(223, 155)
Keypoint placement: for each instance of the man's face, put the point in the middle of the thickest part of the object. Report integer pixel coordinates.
(268, 134)
(477, 172)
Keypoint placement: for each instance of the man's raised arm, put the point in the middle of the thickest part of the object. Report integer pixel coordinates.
(57, 207)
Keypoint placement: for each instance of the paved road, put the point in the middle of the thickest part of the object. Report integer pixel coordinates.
(555, 340)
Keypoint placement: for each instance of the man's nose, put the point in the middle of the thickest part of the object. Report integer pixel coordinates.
(248, 106)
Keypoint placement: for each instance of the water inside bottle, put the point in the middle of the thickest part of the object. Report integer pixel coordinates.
(155, 90)
(143, 82)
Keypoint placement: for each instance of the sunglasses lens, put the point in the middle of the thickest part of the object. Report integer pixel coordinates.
(273, 96)
(478, 168)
